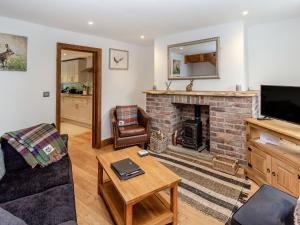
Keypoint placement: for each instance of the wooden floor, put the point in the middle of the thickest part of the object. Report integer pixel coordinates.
(90, 207)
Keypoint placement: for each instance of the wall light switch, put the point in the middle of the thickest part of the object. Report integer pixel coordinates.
(46, 94)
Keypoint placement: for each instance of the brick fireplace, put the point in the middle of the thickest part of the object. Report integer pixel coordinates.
(222, 116)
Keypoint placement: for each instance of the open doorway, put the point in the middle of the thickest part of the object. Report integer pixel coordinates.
(78, 95)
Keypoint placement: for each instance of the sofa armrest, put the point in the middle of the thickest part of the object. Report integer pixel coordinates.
(65, 138)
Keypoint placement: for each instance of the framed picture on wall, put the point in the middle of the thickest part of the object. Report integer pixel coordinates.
(13, 52)
(118, 59)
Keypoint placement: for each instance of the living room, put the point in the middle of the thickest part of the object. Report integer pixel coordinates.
(188, 89)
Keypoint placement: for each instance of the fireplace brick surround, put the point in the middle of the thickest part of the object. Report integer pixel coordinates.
(224, 111)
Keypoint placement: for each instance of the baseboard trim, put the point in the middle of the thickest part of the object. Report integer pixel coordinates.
(106, 142)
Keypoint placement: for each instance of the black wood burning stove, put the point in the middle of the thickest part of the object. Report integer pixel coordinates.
(192, 131)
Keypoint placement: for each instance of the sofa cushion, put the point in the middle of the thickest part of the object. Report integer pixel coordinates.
(12, 159)
(51, 207)
(127, 115)
(29, 181)
(6, 218)
(132, 130)
(2, 165)
(71, 222)
(267, 206)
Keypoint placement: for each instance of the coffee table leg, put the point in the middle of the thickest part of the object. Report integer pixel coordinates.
(173, 201)
(100, 178)
(128, 214)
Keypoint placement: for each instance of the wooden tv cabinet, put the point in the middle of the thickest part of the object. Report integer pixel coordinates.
(279, 165)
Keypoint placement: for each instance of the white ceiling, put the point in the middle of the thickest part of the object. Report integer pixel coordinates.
(126, 20)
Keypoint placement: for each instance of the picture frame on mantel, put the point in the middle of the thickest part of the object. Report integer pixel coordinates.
(118, 59)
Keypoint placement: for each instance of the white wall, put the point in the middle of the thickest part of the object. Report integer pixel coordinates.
(273, 53)
(203, 68)
(232, 57)
(22, 103)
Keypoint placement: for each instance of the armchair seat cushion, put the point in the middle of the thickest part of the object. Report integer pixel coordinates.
(132, 130)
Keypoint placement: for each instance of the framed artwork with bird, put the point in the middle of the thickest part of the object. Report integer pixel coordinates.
(118, 59)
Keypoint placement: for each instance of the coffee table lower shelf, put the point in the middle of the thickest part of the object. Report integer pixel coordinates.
(154, 210)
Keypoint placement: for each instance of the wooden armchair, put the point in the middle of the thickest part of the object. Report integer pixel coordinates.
(130, 135)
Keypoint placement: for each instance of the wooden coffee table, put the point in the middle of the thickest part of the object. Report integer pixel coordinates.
(137, 200)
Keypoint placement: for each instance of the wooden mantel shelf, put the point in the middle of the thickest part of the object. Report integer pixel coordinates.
(205, 93)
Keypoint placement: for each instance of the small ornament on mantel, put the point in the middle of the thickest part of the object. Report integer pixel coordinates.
(189, 87)
(168, 84)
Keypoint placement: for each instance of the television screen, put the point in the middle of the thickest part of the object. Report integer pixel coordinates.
(281, 102)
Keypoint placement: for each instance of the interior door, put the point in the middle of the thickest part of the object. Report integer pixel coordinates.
(285, 177)
(259, 163)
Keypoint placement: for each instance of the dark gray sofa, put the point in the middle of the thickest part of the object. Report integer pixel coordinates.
(39, 196)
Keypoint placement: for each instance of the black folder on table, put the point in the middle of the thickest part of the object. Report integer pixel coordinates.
(126, 169)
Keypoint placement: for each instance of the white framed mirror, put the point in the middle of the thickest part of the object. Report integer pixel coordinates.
(194, 60)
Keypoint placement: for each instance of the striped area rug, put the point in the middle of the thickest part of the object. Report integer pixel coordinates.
(212, 192)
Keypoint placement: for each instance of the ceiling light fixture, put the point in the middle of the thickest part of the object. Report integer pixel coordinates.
(65, 54)
(142, 36)
(181, 48)
(90, 23)
(245, 13)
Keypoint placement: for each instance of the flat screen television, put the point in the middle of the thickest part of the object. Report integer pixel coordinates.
(281, 102)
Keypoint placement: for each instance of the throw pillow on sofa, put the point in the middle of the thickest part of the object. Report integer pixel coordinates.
(38, 145)
(6, 218)
(127, 115)
(2, 166)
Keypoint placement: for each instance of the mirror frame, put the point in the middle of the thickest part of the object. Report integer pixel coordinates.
(215, 76)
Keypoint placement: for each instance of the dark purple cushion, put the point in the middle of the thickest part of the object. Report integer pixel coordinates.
(12, 159)
(17, 184)
(51, 207)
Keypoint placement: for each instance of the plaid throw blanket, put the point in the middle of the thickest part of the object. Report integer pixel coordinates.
(39, 145)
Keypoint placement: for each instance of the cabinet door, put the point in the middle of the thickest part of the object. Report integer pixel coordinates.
(285, 177)
(82, 112)
(90, 111)
(63, 107)
(76, 70)
(89, 62)
(64, 72)
(259, 164)
(66, 108)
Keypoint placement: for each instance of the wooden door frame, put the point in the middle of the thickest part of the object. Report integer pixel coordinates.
(97, 87)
